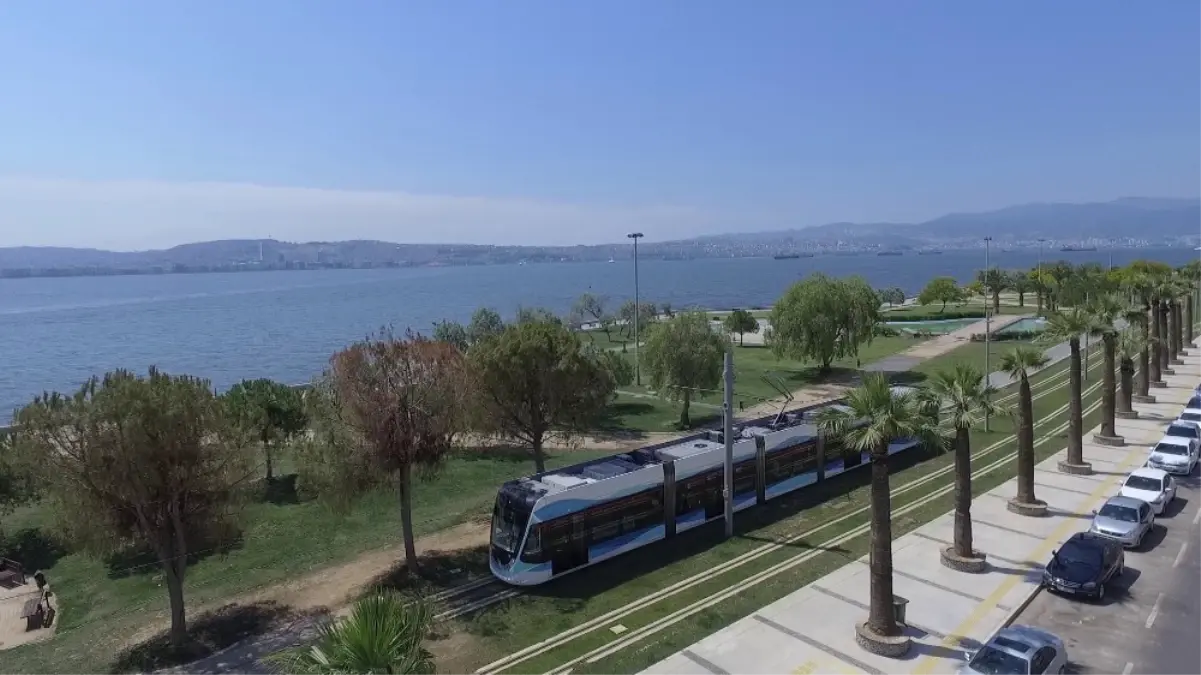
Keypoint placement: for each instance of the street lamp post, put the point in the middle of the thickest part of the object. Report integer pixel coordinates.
(637, 362)
(987, 326)
(1042, 296)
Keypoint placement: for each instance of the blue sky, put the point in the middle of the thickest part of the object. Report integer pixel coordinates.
(144, 124)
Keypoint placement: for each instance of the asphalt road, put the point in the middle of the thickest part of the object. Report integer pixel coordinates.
(1149, 618)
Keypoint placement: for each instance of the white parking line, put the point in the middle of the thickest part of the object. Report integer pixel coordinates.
(1197, 519)
(1154, 611)
(1180, 556)
(1129, 667)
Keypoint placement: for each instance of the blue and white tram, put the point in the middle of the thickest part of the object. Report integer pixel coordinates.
(549, 524)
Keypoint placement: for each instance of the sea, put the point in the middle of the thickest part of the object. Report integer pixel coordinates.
(57, 332)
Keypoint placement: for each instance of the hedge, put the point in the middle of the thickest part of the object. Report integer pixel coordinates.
(930, 314)
(1008, 337)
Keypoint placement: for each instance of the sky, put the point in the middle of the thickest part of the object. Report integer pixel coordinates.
(144, 124)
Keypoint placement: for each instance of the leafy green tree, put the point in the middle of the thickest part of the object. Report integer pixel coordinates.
(995, 282)
(270, 411)
(1042, 284)
(647, 313)
(151, 461)
(963, 397)
(1069, 325)
(824, 319)
(537, 315)
(894, 296)
(620, 367)
(593, 308)
(452, 333)
(940, 289)
(485, 323)
(683, 355)
(1019, 364)
(741, 321)
(889, 416)
(536, 382)
(385, 633)
(384, 409)
(1021, 283)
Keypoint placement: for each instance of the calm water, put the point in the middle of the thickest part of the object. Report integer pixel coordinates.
(54, 333)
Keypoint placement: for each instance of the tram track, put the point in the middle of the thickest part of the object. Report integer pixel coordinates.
(543, 647)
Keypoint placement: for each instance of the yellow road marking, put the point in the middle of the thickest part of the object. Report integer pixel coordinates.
(926, 665)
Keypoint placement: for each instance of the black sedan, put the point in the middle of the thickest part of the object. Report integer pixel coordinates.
(1084, 565)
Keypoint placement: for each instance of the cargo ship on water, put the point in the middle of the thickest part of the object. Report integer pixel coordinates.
(1077, 249)
(890, 253)
(792, 256)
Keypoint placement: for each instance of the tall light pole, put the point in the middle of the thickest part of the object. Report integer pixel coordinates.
(637, 362)
(1041, 294)
(987, 326)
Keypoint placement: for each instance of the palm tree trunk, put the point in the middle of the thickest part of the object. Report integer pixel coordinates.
(1126, 400)
(1144, 372)
(406, 517)
(1177, 331)
(1075, 421)
(1163, 336)
(963, 493)
(1188, 324)
(1025, 442)
(881, 618)
(1153, 373)
(996, 302)
(1108, 427)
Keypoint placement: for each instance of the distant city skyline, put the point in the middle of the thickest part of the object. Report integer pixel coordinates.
(143, 125)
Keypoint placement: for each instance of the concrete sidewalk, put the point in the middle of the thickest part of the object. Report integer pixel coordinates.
(812, 630)
(937, 346)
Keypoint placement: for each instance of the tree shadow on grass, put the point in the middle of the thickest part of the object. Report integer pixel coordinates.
(499, 452)
(606, 575)
(436, 571)
(279, 490)
(34, 549)
(209, 633)
(140, 559)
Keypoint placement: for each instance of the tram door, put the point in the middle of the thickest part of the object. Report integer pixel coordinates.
(569, 547)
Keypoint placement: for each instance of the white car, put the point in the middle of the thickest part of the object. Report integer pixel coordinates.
(1154, 486)
(1192, 409)
(1174, 454)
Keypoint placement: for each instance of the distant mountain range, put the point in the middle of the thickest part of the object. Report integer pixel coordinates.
(1133, 221)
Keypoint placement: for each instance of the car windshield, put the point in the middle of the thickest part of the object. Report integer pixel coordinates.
(1143, 483)
(1171, 449)
(1191, 416)
(996, 662)
(1116, 512)
(1182, 430)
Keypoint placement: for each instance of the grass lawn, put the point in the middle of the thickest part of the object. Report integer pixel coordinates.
(103, 603)
(624, 586)
(637, 409)
(972, 353)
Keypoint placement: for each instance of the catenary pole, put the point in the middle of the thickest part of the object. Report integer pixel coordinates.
(728, 437)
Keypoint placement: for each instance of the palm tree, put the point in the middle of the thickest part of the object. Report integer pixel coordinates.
(1140, 288)
(889, 415)
(962, 396)
(1019, 364)
(1130, 345)
(1068, 326)
(1161, 294)
(383, 634)
(1104, 311)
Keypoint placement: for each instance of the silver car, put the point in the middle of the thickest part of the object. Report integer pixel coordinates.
(1124, 519)
(1018, 650)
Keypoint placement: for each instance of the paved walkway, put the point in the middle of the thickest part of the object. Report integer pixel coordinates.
(812, 629)
(924, 351)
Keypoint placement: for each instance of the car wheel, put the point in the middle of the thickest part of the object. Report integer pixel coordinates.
(1062, 670)
(1121, 569)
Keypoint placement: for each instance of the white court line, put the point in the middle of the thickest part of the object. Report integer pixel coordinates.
(1129, 667)
(1154, 611)
(1180, 556)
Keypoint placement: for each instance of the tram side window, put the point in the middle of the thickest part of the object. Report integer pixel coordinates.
(794, 461)
(626, 515)
(745, 475)
(695, 492)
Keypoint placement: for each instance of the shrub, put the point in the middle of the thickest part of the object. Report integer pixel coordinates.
(1021, 335)
(931, 314)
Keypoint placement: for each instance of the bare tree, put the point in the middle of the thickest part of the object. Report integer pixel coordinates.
(149, 461)
(386, 408)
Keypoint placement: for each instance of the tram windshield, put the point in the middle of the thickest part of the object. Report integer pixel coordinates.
(508, 524)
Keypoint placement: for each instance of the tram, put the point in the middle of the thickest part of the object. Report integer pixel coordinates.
(553, 523)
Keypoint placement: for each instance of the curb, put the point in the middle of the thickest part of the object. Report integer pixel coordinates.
(1015, 612)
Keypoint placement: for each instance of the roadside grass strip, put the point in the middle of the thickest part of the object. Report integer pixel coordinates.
(643, 598)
